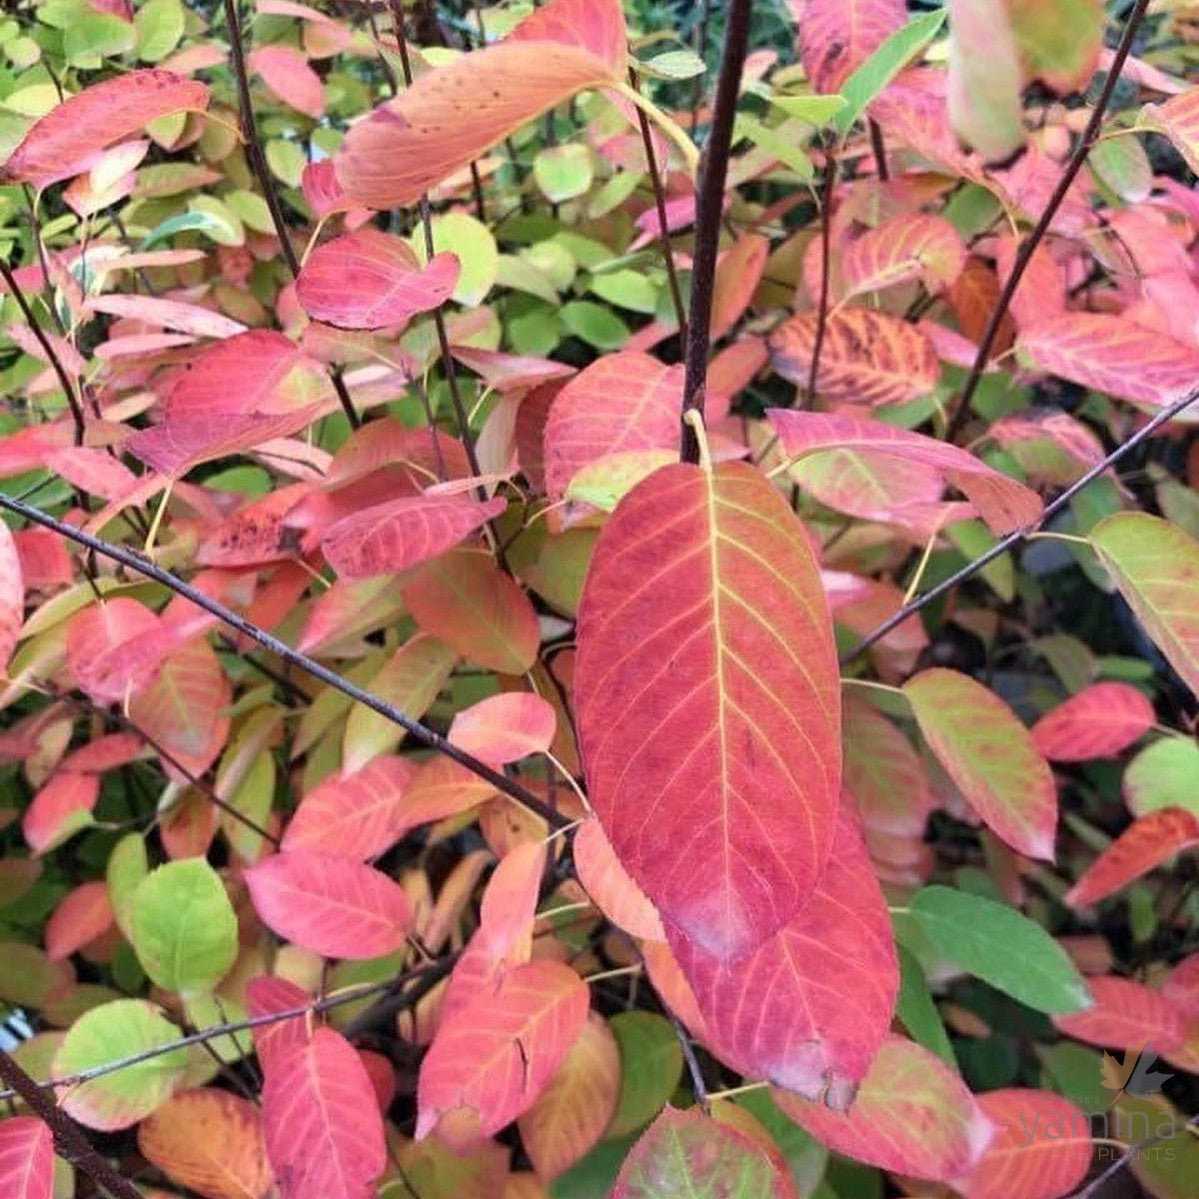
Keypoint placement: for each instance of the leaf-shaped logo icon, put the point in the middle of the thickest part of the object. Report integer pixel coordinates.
(1134, 1074)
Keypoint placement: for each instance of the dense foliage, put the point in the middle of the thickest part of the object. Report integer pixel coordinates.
(599, 599)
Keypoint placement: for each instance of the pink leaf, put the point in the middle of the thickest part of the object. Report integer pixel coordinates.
(505, 728)
(286, 72)
(334, 906)
(62, 807)
(1126, 1015)
(324, 1134)
(82, 915)
(26, 1159)
(1100, 721)
(837, 36)
(12, 595)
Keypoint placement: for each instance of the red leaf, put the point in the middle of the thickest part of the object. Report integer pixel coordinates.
(286, 72)
(1126, 1015)
(614, 893)
(708, 702)
(809, 1008)
(402, 533)
(837, 36)
(63, 806)
(497, 1056)
(505, 728)
(738, 274)
(1100, 721)
(94, 640)
(323, 1131)
(268, 995)
(621, 402)
(63, 142)
(884, 777)
(1002, 502)
(369, 279)
(867, 357)
(1182, 985)
(688, 1153)
(456, 112)
(26, 1159)
(913, 1115)
(1142, 847)
(334, 906)
(989, 755)
(82, 915)
(358, 815)
(1042, 1147)
(12, 595)
(1112, 355)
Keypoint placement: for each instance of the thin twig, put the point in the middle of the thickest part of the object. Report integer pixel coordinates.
(826, 238)
(258, 164)
(68, 1138)
(425, 735)
(879, 147)
(63, 378)
(1029, 247)
(709, 204)
(1012, 539)
(655, 177)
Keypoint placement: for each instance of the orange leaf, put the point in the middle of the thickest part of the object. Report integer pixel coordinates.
(455, 113)
(1042, 1147)
(63, 142)
(498, 1055)
(868, 357)
(82, 915)
(322, 1127)
(1143, 846)
(210, 1142)
(911, 246)
(708, 702)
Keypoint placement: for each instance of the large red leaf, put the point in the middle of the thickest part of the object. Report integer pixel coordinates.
(1042, 1147)
(1126, 1015)
(65, 140)
(688, 1153)
(26, 1159)
(456, 112)
(867, 357)
(912, 1115)
(358, 815)
(368, 279)
(990, 755)
(1143, 846)
(12, 595)
(1001, 501)
(395, 535)
(809, 1008)
(708, 702)
(837, 36)
(323, 1131)
(497, 1055)
(621, 402)
(1112, 355)
(334, 906)
(1100, 721)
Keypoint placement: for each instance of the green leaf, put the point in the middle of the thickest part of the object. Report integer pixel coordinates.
(1163, 775)
(674, 64)
(159, 25)
(184, 928)
(884, 64)
(596, 325)
(777, 143)
(474, 244)
(563, 172)
(127, 867)
(815, 110)
(915, 1008)
(286, 160)
(110, 1033)
(651, 1064)
(1002, 947)
(1156, 567)
(626, 289)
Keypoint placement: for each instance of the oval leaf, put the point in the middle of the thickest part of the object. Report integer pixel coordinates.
(1099, 722)
(708, 702)
(1142, 847)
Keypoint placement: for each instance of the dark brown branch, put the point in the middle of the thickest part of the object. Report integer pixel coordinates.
(422, 733)
(64, 380)
(1012, 539)
(258, 164)
(1029, 247)
(826, 238)
(709, 204)
(879, 148)
(68, 1138)
(655, 178)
